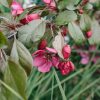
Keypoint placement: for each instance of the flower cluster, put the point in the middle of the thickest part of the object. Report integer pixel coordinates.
(44, 58)
(66, 66)
(17, 9)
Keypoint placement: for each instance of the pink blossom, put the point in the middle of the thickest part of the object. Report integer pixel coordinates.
(16, 8)
(45, 59)
(29, 18)
(66, 67)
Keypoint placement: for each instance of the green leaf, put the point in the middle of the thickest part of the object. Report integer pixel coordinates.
(4, 9)
(65, 17)
(85, 22)
(20, 1)
(95, 38)
(21, 55)
(88, 6)
(15, 77)
(2, 96)
(3, 89)
(76, 33)
(14, 53)
(69, 4)
(4, 2)
(25, 57)
(3, 62)
(3, 40)
(32, 31)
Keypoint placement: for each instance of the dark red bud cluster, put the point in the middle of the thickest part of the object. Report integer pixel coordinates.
(66, 67)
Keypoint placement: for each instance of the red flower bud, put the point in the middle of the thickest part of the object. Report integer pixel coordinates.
(81, 11)
(66, 67)
(64, 31)
(42, 45)
(89, 34)
(66, 51)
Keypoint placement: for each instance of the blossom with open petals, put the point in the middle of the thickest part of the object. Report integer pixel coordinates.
(45, 59)
(17, 9)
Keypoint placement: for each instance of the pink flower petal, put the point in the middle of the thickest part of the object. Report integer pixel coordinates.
(52, 4)
(55, 61)
(47, 1)
(16, 5)
(51, 50)
(45, 67)
(39, 61)
(39, 52)
(16, 8)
